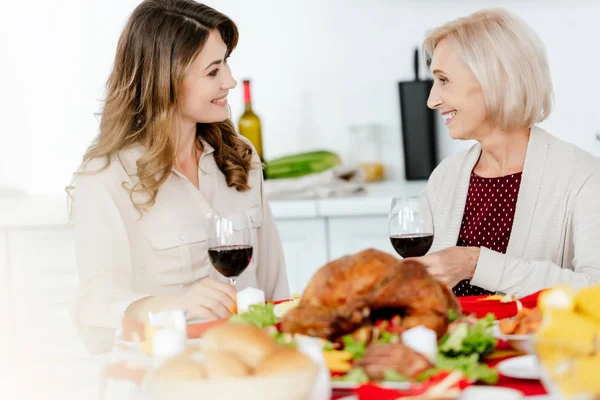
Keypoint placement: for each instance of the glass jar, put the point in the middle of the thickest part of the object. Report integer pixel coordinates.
(365, 150)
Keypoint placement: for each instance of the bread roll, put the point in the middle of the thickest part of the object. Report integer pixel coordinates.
(223, 364)
(284, 360)
(178, 369)
(247, 342)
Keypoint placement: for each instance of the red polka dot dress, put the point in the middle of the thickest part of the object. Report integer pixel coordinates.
(488, 219)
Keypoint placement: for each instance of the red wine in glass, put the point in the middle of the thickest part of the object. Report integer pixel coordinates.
(412, 245)
(230, 261)
(230, 244)
(410, 224)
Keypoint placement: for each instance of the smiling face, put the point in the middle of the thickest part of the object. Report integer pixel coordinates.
(207, 83)
(456, 92)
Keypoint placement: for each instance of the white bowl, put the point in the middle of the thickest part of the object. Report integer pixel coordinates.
(285, 386)
(522, 343)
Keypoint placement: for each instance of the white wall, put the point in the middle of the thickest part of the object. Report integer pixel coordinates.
(317, 67)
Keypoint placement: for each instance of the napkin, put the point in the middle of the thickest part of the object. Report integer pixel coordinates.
(335, 182)
(481, 305)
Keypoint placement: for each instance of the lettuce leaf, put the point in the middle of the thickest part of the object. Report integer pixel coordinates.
(356, 348)
(463, 350)
(466, 340)
(258, 315)
(389, 337)
(468, 365)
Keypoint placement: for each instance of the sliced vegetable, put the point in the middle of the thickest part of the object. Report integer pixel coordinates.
(357, 375)
(389, 375)
(338, 360)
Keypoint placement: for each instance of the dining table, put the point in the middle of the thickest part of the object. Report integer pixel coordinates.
(126, 371)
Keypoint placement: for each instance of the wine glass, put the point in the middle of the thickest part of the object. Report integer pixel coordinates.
(230, 244)
(410, 224)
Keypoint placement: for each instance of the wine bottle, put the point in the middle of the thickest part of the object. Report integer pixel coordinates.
(249, 123)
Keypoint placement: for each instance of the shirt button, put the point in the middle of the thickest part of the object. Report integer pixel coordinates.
(181, 237)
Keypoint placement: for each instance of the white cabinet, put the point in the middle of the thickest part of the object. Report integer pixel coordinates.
(309, 244)
(305, 248)
(349, 235)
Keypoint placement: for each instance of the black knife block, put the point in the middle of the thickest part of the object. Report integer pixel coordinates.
(418, 129)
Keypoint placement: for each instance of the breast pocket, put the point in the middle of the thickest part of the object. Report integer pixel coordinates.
(173, 248)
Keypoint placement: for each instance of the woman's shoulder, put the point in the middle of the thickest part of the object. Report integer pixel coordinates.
(111, 170)
(568, 156)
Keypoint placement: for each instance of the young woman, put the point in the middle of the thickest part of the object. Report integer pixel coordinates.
(518, 212)
(166, 157)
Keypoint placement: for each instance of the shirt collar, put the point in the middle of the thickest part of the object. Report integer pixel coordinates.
(206, 148)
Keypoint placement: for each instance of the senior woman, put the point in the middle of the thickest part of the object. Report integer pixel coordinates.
(519, 211)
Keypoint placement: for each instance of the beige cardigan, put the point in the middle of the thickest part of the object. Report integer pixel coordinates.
(555, 237)
(122, 258)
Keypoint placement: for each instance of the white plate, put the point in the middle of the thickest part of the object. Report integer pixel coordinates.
(354, 385)
(490, 393)
(523, 367)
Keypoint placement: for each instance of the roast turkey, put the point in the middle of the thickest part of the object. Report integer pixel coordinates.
(357, 290)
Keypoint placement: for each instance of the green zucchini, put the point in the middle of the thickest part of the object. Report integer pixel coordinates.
(298, 165)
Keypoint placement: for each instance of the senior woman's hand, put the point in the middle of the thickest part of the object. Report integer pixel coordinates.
(451, 265)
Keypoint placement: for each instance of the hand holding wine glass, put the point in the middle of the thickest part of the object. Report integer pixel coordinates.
(410, 224)
(208, 299)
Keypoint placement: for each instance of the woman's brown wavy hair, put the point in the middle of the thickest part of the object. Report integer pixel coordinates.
(158, 44)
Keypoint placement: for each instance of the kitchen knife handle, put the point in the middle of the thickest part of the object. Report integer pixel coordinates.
(416, 64)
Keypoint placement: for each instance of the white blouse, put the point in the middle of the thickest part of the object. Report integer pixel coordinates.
(122, 258)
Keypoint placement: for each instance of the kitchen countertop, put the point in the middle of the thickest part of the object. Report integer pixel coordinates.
(27, 211)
